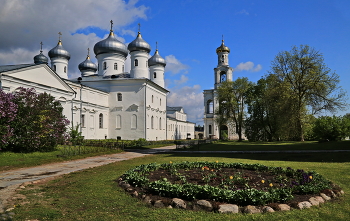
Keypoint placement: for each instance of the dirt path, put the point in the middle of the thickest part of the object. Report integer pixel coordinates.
(13, 179)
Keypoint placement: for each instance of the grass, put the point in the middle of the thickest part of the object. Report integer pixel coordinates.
(10, 160)
(264, 146)
(93, 195)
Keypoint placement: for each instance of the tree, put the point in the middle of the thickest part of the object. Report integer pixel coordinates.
(8, 112)
(39, 124)
(232, 96)
(270, 111)
(331, 128)
(312, 84)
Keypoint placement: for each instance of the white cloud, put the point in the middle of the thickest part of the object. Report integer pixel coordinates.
(248, 66)
(191, 99)
(182, 80)
(174, 66)
(41, 20)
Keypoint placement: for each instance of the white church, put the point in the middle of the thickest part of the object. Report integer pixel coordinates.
(106, 101)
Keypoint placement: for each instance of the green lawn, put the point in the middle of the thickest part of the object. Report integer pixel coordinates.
(288, 145)
(93, 194)
(10, 160)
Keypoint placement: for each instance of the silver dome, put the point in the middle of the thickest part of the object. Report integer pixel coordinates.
(87, 65)
(156, 59)
(110, 45)
(40, 59)
(59, 51)
(139, 44)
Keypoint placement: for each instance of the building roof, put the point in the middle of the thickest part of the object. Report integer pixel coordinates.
(174, 108)
(5, 68)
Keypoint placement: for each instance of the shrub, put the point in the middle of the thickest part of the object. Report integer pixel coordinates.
(39, 124)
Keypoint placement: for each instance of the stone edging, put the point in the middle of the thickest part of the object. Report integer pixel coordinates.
(205, 205)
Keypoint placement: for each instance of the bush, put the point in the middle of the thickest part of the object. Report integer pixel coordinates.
(331, 128)
(39, 124)
(8, 112)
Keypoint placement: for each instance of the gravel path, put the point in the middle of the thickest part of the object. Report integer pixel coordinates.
(11, 180)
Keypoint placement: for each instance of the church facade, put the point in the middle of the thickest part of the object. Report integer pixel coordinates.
(106, 101)
(222, 72)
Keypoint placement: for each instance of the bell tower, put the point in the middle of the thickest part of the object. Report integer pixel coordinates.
(223, 72)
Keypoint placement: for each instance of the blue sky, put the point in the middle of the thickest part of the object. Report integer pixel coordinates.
(187, 31)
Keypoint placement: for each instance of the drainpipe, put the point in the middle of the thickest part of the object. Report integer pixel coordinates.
(145, 112)
(81, 107)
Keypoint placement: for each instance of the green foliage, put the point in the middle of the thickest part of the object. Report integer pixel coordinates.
(75, 136)
(303, 183)
(39, 124)
(232, 96)
(310, 82)
(331, 128)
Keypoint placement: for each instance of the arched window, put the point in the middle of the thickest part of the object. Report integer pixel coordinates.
(119, 122)
(104, 65)
(65, 69)
(152, 119)
(222, 76)
(210, 107)
(160, 123)
(54, 67)
(209, 129)
(136, 62)
(100, 121)
(133, 121)
(115, 66)
(120, 97)
(154, 75)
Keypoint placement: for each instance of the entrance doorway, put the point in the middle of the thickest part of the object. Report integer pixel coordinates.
(223, 132)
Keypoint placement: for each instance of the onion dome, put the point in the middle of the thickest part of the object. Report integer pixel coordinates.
(59, 51)
(222, 48)
(87, 65)
(110, 45)
(139, 44)
(156, 59)
(40, 58)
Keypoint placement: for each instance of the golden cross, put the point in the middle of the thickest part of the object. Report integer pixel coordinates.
(88, 51)
(139, 27)
(41, 47)
(59, 36)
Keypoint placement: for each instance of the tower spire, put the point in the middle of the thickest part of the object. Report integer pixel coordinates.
(59, 38)
(139, 27)
(88, 55)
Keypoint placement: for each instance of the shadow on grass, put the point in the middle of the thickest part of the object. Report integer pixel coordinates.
(339, 157)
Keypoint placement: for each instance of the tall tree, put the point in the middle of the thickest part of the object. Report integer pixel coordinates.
(312, 83)
(232, 96)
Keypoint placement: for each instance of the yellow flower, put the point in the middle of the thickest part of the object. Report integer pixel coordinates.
(310, 177)
(202, 168)
(207, 168)
(216, 161)
(231, 177)
(263, 181)
(271, 185)
(171, 162)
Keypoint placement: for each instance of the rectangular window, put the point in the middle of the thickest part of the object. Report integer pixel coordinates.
(82, 120)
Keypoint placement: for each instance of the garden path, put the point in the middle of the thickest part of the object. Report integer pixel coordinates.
(11, 180)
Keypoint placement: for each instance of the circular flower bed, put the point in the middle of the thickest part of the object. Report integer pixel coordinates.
(235, 183)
